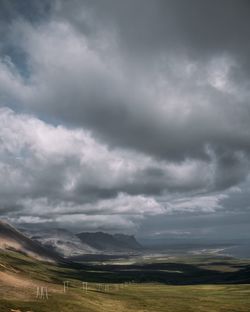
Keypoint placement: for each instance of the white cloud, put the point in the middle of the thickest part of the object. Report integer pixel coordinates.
(49, 171)
(206, 203)
(171, 232)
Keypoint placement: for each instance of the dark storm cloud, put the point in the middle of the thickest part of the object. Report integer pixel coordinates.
(150, 39)
(162, 86)
(148, 29)
(149, 25)
(231, 168)
(32, 10)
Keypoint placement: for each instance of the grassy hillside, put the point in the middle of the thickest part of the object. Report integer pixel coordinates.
(20, 275)
(149, 297)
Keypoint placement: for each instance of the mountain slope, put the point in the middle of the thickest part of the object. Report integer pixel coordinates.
(107, 242)
(62, 241)
(12, 239)
(127, 240)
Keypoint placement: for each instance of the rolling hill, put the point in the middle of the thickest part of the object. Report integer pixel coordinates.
(12, 239)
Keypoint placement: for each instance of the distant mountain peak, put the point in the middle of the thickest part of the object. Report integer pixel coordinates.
(110, 242)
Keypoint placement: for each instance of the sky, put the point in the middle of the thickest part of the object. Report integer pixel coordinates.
(126, 116)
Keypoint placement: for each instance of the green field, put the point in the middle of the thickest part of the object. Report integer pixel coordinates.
(20, 275)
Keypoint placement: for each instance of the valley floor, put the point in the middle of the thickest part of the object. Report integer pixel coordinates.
(138, 298)
(20, 276)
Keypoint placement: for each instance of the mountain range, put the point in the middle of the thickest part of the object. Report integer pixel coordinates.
(62, 241)
(53, 244)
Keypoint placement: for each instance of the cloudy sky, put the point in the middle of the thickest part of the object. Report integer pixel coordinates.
(129, 116)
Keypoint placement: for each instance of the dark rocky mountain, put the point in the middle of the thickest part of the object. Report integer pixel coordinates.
(128, 240)
(12, 239)
(56, 244)
(110, 243)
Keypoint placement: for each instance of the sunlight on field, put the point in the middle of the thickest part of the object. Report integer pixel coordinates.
(134, 297)
(20, 276)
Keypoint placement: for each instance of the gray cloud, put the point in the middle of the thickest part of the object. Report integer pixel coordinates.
(129, 98)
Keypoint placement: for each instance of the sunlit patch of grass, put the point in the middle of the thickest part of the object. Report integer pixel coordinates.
(120, 297)
(143, 297)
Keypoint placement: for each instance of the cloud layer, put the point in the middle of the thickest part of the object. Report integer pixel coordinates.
(108, 114)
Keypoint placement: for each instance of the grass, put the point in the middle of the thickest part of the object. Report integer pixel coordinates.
(142, 297)
(133, 297)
